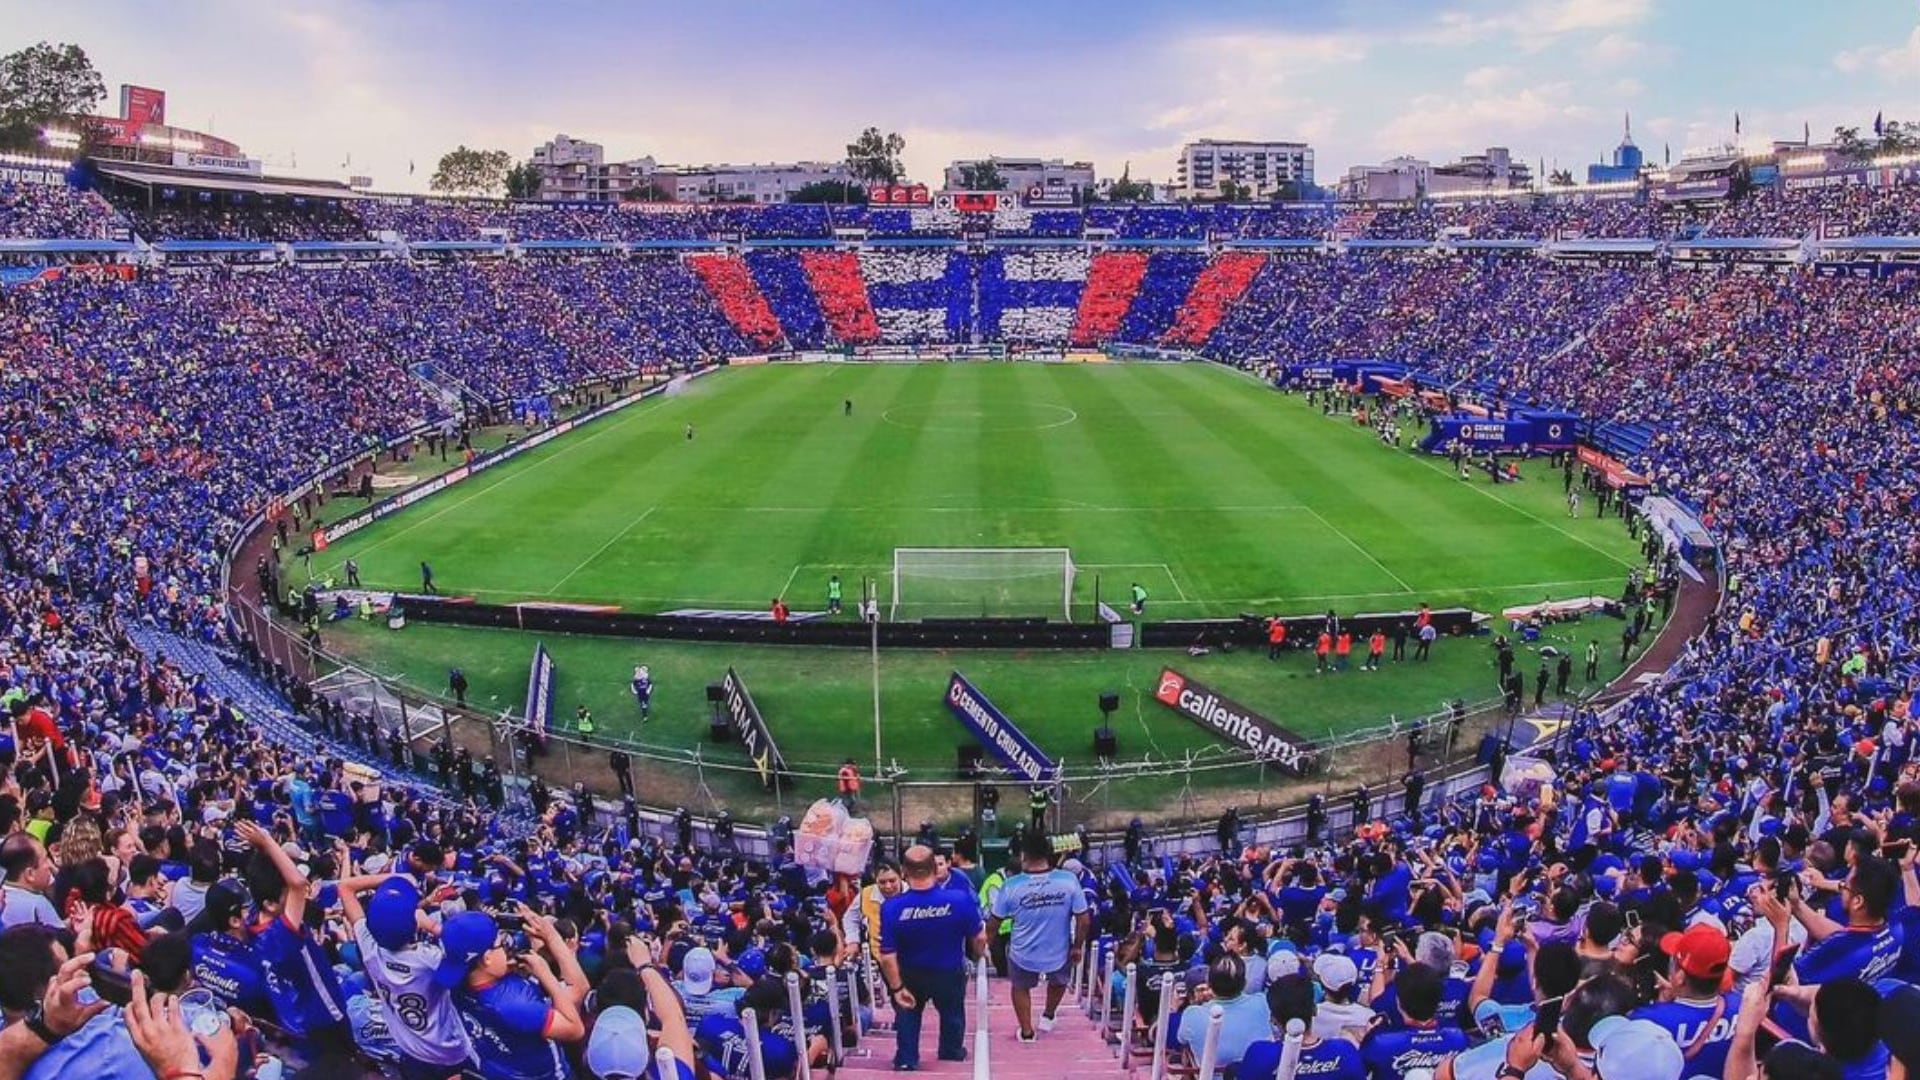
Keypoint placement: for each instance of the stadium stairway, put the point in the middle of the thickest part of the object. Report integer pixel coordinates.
(740, 299)
(836, 280)
(1220, 286)
(1073, 1050)
(263, 708)
(1112, 282)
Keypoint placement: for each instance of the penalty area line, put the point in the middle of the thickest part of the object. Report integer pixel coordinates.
(1355, 545)
(601, 550)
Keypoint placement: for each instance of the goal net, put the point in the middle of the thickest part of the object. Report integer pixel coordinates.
(971, 583)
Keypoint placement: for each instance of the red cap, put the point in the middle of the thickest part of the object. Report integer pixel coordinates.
(1702, 951)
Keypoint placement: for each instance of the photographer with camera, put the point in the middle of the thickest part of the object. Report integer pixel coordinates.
(516, 1009)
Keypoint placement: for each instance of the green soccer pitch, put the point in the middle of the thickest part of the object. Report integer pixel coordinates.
(1212, 491)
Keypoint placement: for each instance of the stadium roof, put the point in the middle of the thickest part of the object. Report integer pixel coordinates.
(185, 246)
(1872, 243)
(148, 176)
(63, 247)
(1733, 243)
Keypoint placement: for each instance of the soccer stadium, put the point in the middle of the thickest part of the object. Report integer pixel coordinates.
(530, 618)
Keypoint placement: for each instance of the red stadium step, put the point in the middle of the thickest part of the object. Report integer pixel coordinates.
(836, 280)
(1073, 1050)
(745, 306)
(1221, 285)
(1112, 280)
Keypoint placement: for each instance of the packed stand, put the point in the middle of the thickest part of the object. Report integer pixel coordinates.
(1850, 210)
(30, 211)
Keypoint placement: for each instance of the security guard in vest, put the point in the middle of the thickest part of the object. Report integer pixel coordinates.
(583, 720)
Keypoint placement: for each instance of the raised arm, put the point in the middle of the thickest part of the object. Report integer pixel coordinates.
(293, 903)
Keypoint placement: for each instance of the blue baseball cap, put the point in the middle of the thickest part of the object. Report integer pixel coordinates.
(753, 962)
(390, 913)
(465, 938)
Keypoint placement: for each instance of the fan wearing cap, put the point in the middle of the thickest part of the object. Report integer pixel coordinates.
(517, 1022)
(420, 1016)
(225, 960)
(1290, 998)
(307, 999)
(1339, 1014)
(1702, 1012)
(696, 986)
(618, 1047)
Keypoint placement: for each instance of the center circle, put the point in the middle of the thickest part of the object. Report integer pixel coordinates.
(964, 420)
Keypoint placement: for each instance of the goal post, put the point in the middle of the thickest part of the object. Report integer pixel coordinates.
(969, 583)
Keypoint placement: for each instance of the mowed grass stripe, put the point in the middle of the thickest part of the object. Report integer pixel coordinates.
(1388, 504)
(1240, 492)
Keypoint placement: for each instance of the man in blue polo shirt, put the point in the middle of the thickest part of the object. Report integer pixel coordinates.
(927, 935)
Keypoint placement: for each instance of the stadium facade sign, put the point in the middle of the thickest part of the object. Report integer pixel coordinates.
(743, 716)
(999, 735)
(1234, 722)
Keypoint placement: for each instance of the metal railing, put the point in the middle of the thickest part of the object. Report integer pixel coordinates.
(981, 1047)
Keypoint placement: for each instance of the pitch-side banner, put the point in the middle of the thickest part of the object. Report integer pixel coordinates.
(540, 690)
(1234, 722)
(997, 733)
(743, 716)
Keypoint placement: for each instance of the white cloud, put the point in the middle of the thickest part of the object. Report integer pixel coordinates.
(1486, 78)
(1900, 61)
(1440, 127)
(1534, 24)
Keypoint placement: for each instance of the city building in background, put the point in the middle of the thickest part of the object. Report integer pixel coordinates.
(1627, 161)
(1406, 178)
(1038, 180)
(575, 170)
(775, 182)
(1264, 168)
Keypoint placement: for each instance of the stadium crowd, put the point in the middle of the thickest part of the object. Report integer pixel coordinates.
(32, 211)
(1637, 901)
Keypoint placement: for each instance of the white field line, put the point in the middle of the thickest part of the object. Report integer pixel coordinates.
(1368, 555)
(1478, 490)
(513, 474)
(602, 549)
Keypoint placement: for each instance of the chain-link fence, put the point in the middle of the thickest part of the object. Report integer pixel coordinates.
(1094, 795)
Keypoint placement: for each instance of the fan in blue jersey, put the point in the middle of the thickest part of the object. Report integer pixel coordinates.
(1291, 998)
(307, 999)
(517, 1019)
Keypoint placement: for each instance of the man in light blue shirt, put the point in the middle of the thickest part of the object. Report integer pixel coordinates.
(1243, 1016)
(1048, 910)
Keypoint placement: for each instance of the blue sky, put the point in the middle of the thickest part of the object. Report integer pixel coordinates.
(307, 86)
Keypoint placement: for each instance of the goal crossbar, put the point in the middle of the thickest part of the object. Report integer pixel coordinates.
(962, 582)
